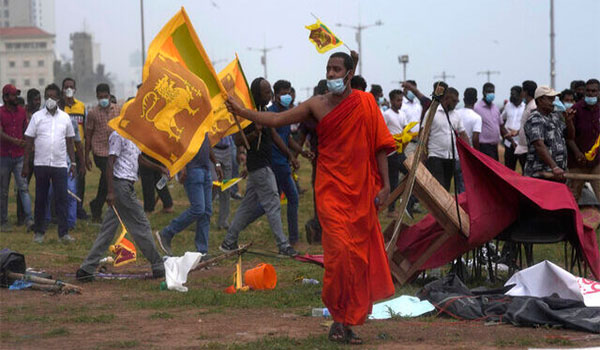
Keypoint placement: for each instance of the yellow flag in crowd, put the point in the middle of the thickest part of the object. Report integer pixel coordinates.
(593, 152)
(124, 249)
(179, 97)
(322, 37)
(234, 81)
(402, 139)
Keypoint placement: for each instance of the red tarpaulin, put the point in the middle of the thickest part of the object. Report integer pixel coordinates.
(493, 198)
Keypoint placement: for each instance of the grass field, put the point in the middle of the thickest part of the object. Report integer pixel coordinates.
(124, 314)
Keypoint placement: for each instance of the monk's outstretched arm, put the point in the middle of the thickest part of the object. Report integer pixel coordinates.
(274, 120)
(382, 164)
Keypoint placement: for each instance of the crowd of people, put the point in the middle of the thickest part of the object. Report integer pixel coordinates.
(539, 129)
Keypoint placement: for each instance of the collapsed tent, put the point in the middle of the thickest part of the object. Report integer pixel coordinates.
(496, 197)
(452, 298)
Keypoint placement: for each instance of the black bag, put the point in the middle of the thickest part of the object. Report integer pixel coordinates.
(10, 261)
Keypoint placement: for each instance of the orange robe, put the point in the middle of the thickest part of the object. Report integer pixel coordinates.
(347, 181)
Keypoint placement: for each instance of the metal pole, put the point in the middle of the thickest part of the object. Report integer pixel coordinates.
(404, 71)
(143, 42)
(359, 39)
(552, 52)
(265, 62)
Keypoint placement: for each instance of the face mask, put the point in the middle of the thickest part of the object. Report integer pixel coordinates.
(591, 100)
(337, 86)
(525, 101)
(489, 97)
(381, 100)
(559, 106)
(104, 102)
(50, 104)
(285, 100)
(410, 96)
(568, 105)
(385, 108)
(70, 92)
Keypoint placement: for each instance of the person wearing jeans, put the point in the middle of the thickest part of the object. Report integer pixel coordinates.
(222, 151)
(197, 182)
(13, 120)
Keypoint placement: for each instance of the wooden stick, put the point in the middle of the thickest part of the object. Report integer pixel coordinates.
(208, 262)
(572, 176)
(41, 280)
(410, 181)
(237, 122)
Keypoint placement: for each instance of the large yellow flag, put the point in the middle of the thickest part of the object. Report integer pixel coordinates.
(179, 98)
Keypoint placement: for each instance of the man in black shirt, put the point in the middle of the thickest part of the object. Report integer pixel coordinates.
(261, 195)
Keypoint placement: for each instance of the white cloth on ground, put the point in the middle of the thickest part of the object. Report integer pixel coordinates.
(177, 269)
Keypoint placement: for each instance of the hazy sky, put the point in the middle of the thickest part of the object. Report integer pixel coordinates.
(460, 37)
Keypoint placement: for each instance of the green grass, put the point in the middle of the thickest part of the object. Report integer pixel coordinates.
(105, 318)
(280, 343)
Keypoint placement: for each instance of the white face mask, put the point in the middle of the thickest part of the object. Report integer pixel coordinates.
(70, 92)
(50, 104)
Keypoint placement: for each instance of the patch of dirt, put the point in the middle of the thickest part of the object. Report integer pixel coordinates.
(185, 328)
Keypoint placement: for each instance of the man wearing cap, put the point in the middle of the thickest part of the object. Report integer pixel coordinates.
(13, 121)
(545, 132)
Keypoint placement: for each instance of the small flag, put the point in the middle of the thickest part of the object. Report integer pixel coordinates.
(402, 139)
(283, 199)
(124, 249)
(226, 184)
(593, 152)
(322, 37)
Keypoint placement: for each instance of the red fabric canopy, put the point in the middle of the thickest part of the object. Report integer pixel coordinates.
(493, 197)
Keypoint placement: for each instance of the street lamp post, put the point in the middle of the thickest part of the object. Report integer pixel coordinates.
(488, 73)
(444, 76)
(359, 28)
(263, 58)
(403, 60)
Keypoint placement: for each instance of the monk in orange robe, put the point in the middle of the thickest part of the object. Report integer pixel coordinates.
(351, 183)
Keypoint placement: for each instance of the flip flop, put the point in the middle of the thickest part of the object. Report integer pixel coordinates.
(351, 338)
(337, 333)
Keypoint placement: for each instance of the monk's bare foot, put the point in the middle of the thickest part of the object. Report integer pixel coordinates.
(351, 337)
(337, 333)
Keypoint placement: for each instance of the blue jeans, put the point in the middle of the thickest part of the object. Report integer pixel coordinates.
(198, 186)
(44, 175)
(71, 202)
(10, 165)
(285, 184)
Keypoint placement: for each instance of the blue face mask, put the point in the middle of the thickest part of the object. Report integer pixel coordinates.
(285, 100)
(489, 97)
(104, 102)
(410, 96)
(336, 86)
(591, 100)
(559, 106)
(381, 100)
(568, 105)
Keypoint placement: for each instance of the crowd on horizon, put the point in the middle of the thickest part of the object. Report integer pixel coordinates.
(540, 129)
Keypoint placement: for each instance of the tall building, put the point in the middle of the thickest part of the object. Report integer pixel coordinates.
(28, 13)
(26, 57)
(83, 53)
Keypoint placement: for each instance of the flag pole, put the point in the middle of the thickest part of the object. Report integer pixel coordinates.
(343, 42)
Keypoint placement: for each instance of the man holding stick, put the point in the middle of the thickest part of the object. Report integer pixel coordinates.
(351, 182)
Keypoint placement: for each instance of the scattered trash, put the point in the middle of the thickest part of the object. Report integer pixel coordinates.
(403, 306)
(545, 279)
(177, 269)
(20, 285)
(320, 312)
(309, 281)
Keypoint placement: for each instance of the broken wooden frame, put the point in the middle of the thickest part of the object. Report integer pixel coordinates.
(440, 204)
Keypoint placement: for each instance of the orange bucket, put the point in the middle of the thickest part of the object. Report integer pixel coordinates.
(263, 276)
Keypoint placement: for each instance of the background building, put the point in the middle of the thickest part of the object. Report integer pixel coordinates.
(28, 13)
(26, 57)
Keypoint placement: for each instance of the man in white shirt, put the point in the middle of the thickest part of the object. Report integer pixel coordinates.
(51, 130)
(470, 119)
(513, 111)
(395, 120)
(121, 174)
(440, 160)
(412, 109)
(527, 94)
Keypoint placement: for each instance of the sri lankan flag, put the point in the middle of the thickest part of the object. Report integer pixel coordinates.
(179, 98)
(124, 250)
(322, 37)
(593, 152)
(234, 82)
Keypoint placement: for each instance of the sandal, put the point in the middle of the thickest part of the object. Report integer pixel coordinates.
(337, 333)
(352, 338)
